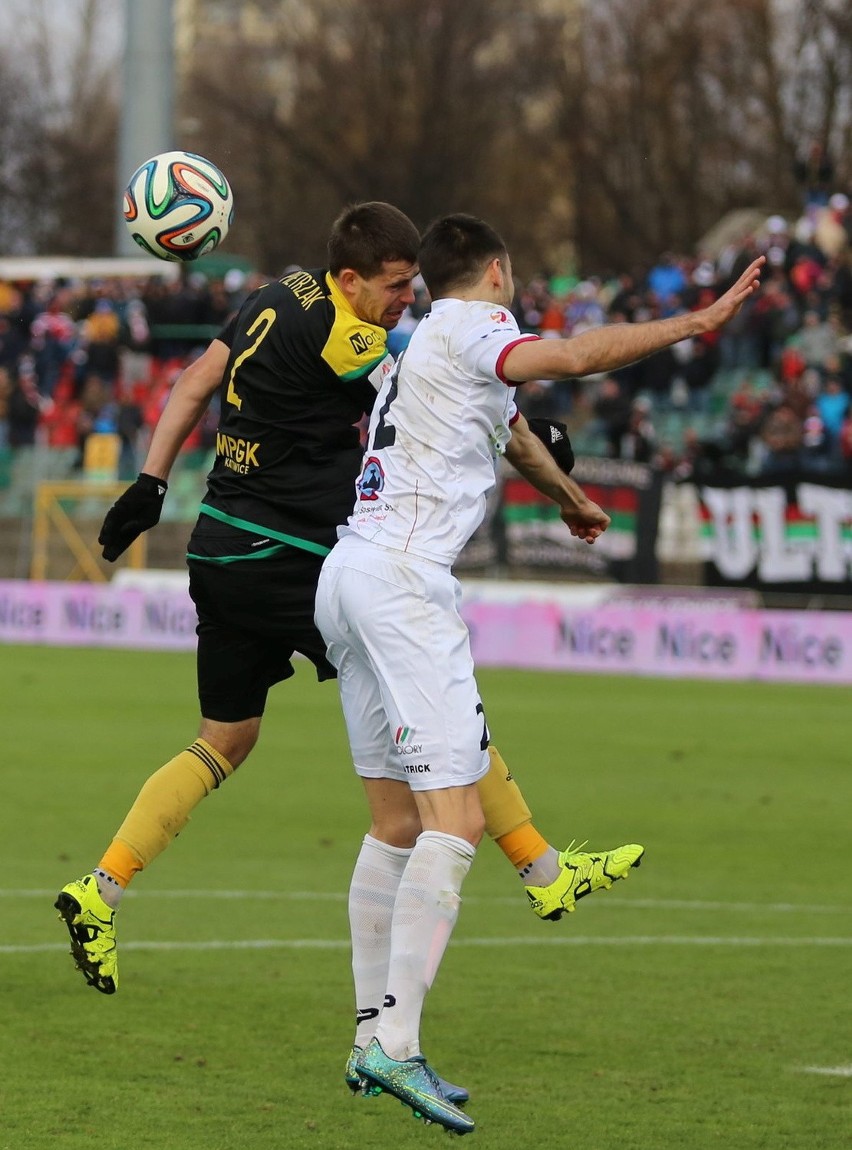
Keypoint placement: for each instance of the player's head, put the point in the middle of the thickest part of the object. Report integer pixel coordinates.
(372, 254)
(459, 254)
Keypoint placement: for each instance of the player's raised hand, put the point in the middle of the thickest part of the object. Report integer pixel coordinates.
(137, 509)
(727, 305)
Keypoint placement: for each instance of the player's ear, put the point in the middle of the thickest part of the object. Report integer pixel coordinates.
(348, 280)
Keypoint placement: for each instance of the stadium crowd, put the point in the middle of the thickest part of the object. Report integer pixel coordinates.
(771, 394)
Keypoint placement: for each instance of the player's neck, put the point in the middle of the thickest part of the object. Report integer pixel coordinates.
(480, 292)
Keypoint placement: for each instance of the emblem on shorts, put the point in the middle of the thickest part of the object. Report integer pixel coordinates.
(403, 740)
(372, 479)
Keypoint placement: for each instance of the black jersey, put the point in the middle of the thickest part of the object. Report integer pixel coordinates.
(302, 371)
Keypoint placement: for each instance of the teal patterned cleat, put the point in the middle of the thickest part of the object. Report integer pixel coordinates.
(414, 1083)
(359, 1085)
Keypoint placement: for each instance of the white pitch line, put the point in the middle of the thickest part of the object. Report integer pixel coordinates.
(828, 1071)
(568, 940)
(339, 896)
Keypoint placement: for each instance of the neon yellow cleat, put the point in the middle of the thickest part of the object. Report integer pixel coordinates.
(581, 874)
(91, 924)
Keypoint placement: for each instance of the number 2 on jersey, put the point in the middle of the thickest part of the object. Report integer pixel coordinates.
(264, 321)
(385, 434)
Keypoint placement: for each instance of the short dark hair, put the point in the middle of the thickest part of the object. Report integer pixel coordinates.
(365, 236)
(455, 251)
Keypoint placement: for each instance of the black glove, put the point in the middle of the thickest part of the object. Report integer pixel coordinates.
(132, 513)
(554, 436)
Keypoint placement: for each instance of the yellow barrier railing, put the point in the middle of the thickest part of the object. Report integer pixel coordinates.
(51, 518)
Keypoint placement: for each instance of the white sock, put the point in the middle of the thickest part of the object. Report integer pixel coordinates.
(372, 893)
(109, 890)
(425, 912)
(543, 871)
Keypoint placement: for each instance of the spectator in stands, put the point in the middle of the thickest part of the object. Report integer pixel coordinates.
(639, 440)
(626, 300)
(781, 438)
(818, 339)
(23, 406)
(805, 260)
(815, 443)
(61, 414)
(582, 309)
(99, 340)
(219, 307)
(53, 335)
(667, 283)
(611, 411)
(135, 345)
(830, 231)
(832, 406)
(545, 398)
(776, 317)
(129, 423)
(745, 414)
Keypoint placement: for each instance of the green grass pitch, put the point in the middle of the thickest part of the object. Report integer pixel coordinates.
(705, 1003)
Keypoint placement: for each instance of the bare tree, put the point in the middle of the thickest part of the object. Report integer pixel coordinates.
(432, 105)
(595, 136)
(60, 135)
(19, 132)
(687, 111)
(671, 126)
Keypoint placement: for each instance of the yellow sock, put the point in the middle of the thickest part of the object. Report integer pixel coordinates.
(502, 802)
(523, 846)
(162, 809)
(508, 819)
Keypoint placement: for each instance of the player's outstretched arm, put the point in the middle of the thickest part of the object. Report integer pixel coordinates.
(528, 455)
(138, 509)
(616, 345)
(187, 402)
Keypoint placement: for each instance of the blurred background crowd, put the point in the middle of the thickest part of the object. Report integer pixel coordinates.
(770, 395)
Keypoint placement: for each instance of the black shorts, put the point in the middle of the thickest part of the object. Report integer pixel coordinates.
(252, 616)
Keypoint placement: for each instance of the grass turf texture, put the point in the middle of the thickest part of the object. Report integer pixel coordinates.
(679, 1010)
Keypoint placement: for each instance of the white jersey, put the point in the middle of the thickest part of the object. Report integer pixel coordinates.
(440, 420)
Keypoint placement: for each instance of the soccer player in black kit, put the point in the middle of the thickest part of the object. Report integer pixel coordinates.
(298, 367)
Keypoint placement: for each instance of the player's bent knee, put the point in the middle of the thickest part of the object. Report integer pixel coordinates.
(235, 741)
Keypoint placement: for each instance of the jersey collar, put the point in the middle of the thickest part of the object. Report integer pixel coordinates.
(339, 299)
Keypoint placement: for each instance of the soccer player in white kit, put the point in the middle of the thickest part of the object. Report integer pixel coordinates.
(388, 607)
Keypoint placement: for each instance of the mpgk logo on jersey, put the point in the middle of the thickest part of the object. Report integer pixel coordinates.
(237, 454)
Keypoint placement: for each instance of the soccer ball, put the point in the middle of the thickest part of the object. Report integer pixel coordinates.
(178, 206)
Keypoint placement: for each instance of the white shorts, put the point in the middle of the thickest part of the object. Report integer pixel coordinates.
(405, 672)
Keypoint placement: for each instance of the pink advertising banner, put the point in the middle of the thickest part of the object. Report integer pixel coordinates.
(671, 640)
(95, 615)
